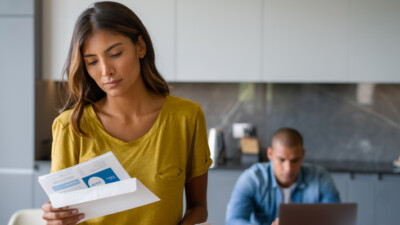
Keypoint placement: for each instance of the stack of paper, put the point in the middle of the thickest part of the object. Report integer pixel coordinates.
(97, 187)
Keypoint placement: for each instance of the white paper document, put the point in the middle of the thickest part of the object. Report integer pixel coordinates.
(97, 187)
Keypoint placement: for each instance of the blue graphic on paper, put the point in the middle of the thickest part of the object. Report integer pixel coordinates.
(66, 185)
(103, 177)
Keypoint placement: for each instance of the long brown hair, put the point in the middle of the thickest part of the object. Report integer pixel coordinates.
(82, 89)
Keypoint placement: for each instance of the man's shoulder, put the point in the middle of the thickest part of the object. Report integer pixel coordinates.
(312, 172)
(258, 171)
(260, 166)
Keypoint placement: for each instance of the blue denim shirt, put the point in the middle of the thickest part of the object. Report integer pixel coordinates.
(256, 196)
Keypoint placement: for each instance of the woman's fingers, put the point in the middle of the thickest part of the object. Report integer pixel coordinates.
(66, 221)
(53, 215)
(60, 216)
(48, 207)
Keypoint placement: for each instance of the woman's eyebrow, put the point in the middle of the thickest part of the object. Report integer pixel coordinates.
(112, 46)
(105, 51)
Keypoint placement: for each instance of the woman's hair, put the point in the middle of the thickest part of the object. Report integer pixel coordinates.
(82, 89)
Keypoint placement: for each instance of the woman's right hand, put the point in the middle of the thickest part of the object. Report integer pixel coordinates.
(60, 216)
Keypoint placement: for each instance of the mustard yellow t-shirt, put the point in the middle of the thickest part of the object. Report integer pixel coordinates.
(174, 151)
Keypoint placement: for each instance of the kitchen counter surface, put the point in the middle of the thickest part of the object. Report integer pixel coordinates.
(333, 166)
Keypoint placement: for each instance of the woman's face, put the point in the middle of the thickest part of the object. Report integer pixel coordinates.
(112, 60)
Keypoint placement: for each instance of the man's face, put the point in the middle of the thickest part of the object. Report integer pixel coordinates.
(287, 163)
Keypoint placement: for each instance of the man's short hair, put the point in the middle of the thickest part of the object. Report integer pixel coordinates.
(288, 137)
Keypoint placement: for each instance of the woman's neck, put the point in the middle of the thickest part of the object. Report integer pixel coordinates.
(137, 102)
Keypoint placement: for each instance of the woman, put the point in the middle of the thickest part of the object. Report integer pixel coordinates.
(119, 102)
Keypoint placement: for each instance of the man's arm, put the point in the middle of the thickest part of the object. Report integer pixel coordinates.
(196, 200)
(241, 204)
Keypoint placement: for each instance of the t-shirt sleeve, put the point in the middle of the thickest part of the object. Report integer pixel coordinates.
(199, 156)
(64, 154)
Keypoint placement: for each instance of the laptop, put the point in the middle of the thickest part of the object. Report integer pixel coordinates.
(318, 214)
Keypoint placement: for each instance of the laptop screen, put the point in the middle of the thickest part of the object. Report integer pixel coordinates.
(318, 214)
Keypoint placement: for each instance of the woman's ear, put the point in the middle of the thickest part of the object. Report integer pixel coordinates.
(141, 47)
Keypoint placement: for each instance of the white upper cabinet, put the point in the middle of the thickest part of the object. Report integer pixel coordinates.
(375, 41)
(58, 21)
(324, 41)
(219, 40)
(158, 16)
(305, 41)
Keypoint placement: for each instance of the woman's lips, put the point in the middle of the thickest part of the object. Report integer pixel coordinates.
(112, 84)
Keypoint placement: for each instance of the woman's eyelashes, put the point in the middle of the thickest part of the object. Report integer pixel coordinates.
(94, 62)
(116, 55)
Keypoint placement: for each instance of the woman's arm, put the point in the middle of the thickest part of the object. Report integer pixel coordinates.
(196, 201)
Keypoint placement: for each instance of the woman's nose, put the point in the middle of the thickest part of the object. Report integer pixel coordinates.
(107, 69)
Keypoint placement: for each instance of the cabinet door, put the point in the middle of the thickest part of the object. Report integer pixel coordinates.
(59, 18)
(219, 40)
(375, 45)
(220, 185)
(305, 41)
(39, 196)
(362, 191)
(341, 182)
(16, 7)
(17, 92)
(159, 18)
(388, 200)
(15, 194)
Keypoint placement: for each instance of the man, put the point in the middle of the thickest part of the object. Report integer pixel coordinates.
(264, 186)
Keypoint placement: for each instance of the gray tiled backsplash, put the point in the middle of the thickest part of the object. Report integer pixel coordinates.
(359, 122)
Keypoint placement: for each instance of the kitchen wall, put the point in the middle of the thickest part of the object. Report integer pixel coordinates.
(357, 122)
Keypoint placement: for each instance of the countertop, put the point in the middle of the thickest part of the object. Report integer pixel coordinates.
(333, 166)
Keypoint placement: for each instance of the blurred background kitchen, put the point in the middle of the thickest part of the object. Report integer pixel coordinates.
(328, 68)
